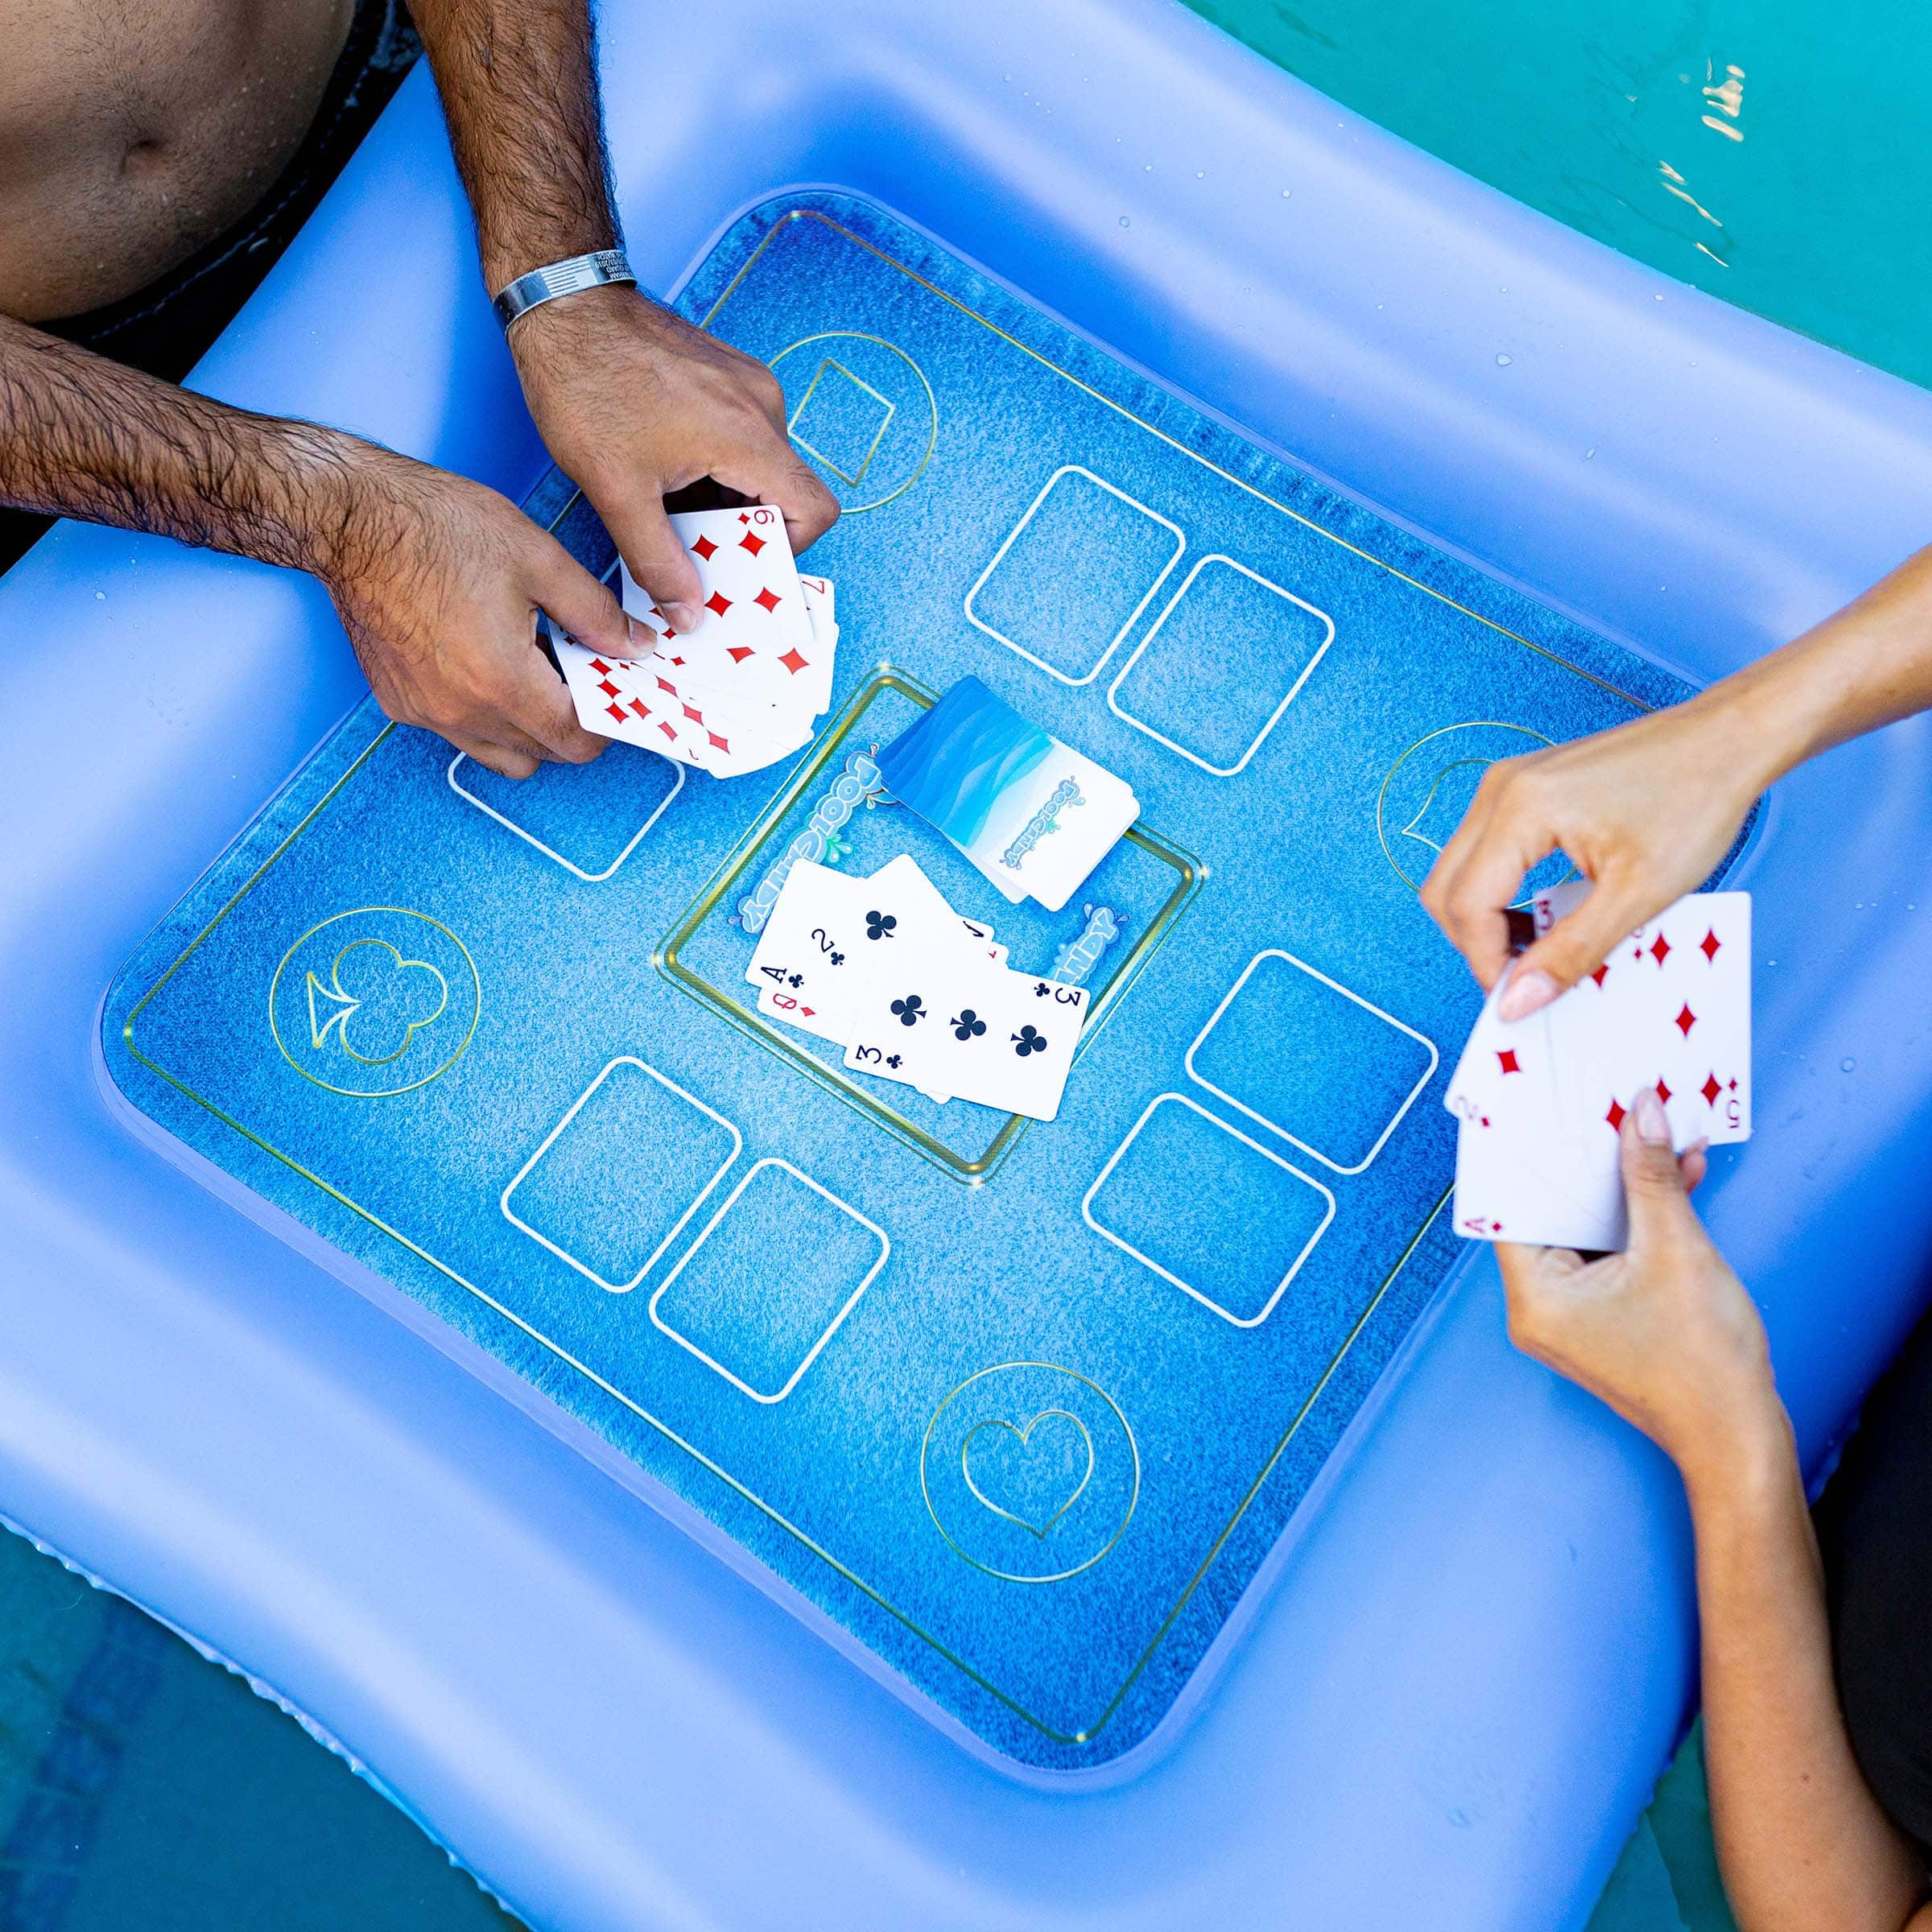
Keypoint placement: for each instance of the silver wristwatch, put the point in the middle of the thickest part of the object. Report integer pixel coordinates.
(569, 278)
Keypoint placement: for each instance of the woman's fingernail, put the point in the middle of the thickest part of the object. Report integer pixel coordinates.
(1652, 1123)
(682, 617)
(1524, 994)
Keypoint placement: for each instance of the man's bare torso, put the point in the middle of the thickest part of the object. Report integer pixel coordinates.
(133, 132)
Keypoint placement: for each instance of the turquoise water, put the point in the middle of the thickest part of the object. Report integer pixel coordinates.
(141, 1787)
(1772, 151)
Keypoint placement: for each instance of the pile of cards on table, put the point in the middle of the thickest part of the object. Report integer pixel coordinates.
(742, 690)
(914, 992)
(1540, 1101)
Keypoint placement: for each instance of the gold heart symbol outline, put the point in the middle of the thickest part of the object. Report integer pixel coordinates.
(1026, 1437)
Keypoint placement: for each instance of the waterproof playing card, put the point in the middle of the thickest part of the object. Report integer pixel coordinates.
(806, 959)
(1048, 831)
(1669, 1009)
(957, 1024)
(1541, 1102)
(755, 661)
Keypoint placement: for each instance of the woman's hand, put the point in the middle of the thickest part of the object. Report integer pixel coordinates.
(1645, 812)
(1663, 1332)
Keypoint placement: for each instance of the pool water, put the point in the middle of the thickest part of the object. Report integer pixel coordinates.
(1770, 151)
(143, 1786)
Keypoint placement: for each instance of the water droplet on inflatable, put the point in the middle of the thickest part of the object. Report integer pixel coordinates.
(1847, 1065)
(1284, 194)
(1125, 223)
(1588, 454)
(1503, 361)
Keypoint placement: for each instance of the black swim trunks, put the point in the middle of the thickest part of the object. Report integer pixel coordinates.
(167, 328)
(1875, 1530)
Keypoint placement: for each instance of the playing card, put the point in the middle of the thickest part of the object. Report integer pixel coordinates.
(1034, 815)
(805, 964)
(623, 698)
(1504, 1192)
(755, 661)
(1541, 1101)
(828, 930)
(1669, 1009)
(960, 1024)
(1007, 1040)
(1047, 832)
(902, 984)
(692, 730)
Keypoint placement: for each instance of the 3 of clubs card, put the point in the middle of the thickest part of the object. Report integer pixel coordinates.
(956, 1024)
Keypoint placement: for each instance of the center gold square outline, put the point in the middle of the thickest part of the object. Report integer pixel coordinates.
(975, 1171)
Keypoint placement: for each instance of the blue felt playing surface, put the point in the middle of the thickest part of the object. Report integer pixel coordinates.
(1021, 1407)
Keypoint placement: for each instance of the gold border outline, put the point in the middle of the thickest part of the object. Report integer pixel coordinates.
(1088, 1732)
(1069, 1739)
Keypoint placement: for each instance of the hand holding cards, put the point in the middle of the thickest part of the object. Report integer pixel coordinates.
(915, 992)
(742, 690)
(1540, 1101)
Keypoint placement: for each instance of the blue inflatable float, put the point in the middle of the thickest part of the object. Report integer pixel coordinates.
(1340, 1613)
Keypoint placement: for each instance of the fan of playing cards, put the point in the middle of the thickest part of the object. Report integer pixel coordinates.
(914, 992)
(742, 690)
(1540, 1101)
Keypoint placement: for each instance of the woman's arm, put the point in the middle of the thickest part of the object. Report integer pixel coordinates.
(1666, 1334)
(1646, 811)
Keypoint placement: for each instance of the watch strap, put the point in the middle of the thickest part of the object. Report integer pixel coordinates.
(569, 277)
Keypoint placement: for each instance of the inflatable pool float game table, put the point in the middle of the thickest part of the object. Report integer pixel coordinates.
(1021, 1407)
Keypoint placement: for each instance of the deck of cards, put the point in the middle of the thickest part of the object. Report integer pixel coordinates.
(1540, 1102)
(745, 688)
(915, 992)
(1033, 814)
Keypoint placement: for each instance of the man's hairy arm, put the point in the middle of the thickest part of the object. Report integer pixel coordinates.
(438, 581)
(634, 402)
(519, 91)
(80, 436)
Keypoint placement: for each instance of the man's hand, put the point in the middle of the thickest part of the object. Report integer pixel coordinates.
(439, 581)
(634, 403)
(1644, 812)
(1663, 1332)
